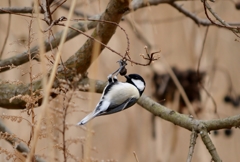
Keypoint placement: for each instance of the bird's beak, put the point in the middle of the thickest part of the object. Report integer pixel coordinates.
(126, 76)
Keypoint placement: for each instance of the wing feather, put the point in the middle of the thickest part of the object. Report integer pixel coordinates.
(116, 108)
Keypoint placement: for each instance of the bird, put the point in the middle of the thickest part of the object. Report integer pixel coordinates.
(117, 96)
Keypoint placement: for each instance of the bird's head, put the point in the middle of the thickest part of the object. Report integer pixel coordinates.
(137, 81)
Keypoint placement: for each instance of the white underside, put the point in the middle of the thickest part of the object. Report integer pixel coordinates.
(122, 92)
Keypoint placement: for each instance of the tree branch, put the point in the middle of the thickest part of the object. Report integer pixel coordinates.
(7, 10)
(22, 58)
(174, 117)
(81, 60)
(197, 20)
(193, 139)
(20, 147)
(209, 145)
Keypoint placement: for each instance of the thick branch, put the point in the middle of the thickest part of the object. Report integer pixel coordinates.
(10, 90)
(82, 59)
(174, 117)
(186, 121)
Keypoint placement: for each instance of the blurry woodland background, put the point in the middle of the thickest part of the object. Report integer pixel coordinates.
(134, 134)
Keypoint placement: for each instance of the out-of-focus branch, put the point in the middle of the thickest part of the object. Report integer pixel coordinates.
(19, 146)
(7, 10)
(54, 42)
(223, 23)
(197, 20)
(76, 12)
(138, 33)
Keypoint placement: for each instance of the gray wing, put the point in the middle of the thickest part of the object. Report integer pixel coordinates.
(116, 108)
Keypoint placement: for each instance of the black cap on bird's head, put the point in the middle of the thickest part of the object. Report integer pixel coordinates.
(137, 81)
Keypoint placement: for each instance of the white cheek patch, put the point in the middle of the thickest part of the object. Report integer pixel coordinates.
(139, 84)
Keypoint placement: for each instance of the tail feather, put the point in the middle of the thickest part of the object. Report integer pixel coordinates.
(87, 119)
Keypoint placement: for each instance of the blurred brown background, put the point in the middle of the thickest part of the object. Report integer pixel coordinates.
(117, 136)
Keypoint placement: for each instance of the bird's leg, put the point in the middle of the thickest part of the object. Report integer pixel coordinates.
(122, 65)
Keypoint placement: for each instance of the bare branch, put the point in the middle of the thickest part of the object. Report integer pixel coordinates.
(7, 10)
(193, 139)
(197, 20)
(223, 24)
(19, 146)
(82, 59)
(46, 11)
(22, 58)
(209, 145)
(54, 41)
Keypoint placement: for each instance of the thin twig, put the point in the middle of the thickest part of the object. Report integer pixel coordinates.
(135, 155)
(31, 106)
(197, 20)
(235, 30)
(201, 54)
(22, 58)
(65, 111)
(9, 11)
(58, 6)
(114, 23)
(48, 86)
(180, 88)
(150, 56)
(198, 73)
(138, 33)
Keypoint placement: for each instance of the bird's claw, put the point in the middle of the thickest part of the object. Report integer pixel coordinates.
(121, 70)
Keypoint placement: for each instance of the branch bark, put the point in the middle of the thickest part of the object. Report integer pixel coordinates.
(193, 140)
(209, 145)
(81, 60)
